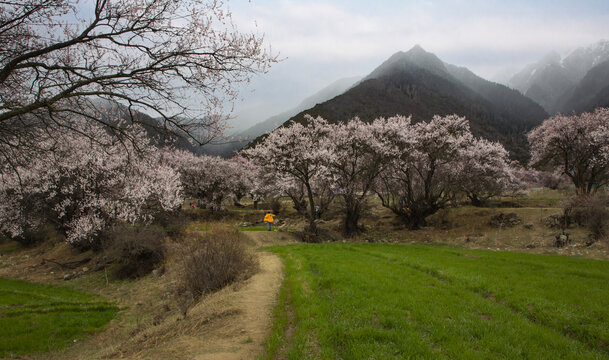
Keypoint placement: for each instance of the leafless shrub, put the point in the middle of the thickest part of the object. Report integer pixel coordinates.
(589, 211)
(217, 259)
(135, 250)
(174, 223)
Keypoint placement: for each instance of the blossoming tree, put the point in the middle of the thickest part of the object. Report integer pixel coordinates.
(297, 155)
(577, 145)
(484, 171)
(83, 185)
(435, 160)
(359, 152)
(210, 179)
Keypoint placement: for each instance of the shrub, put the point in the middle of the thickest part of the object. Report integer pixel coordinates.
(218, 258)
(174, 223)
(589, 211)
(31, 237)
(136, 250)
(554, 180)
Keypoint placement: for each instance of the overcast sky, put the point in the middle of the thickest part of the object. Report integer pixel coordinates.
(322, 41)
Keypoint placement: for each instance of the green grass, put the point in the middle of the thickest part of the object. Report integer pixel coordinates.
(381, 301)
(37, 318)
(197, 227)
(256, 228)
(261, 228)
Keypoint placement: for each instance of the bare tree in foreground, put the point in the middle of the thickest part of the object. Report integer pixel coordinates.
(177, 61)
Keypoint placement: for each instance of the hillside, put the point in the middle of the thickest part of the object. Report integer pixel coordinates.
(418, 83)
(566, 84)
(591, 92)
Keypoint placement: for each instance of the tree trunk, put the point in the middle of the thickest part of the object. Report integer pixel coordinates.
(311, 215)
(415, 222)
(476, 201)
(352, 215)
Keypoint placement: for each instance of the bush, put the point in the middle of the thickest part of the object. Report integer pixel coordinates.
(136, 250)
(31, 237)
(589, 211)
(554, 181)
(174, 223)
(217, 259)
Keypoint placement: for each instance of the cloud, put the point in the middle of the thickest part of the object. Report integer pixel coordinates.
(324, 31)
(323, 41)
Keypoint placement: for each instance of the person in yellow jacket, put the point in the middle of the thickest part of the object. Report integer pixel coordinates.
(269, 218)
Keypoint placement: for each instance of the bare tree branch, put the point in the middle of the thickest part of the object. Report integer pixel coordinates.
(177, 61)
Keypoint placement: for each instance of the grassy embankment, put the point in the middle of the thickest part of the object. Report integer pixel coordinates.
(37, 318)
(381, 301)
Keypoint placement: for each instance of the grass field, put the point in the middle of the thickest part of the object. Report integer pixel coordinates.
(37, 318)
(382, 301)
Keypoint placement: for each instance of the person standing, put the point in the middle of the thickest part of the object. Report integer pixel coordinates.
(269, 218)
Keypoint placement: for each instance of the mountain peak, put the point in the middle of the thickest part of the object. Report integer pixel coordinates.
(415, 58)
(417, 49)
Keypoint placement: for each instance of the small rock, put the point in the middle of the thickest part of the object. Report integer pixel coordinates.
(155, 272)
(85, 269)
(562, 240)
(591, 240)
(502, 220)
(553, 221)
(528, 226)
(67, 276)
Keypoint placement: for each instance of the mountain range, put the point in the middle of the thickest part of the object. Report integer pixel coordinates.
(418, 83)
(576, 83)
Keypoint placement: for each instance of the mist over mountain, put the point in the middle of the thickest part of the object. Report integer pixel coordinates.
(590, 92)
(563, 85)
(418, 83)
(240, 139)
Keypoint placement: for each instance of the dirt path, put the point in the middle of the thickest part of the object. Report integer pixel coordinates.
(243, 336)
(235, 322)
(232, 323)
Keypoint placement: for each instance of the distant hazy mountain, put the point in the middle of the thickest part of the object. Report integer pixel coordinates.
(418, 83)
(237, 141)
(591, 92)
(552, 81)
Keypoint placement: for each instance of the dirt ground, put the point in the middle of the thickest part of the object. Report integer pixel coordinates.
(232, 323)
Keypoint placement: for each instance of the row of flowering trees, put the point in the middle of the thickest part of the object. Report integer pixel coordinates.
(82, 184)
(415, 169)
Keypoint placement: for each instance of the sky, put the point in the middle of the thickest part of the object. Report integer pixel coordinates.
(319, 41)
